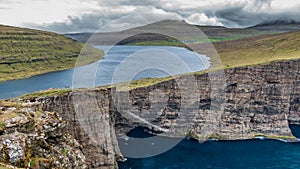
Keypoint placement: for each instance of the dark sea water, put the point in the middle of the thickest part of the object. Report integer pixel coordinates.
(250, 154)
(117, 59)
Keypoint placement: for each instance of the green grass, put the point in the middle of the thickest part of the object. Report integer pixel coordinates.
(259, 50)
(157, 43)
(267, 136)
(181, 44)
(120, 87)
(220, 39)
(276, 137)
(5, 103)
(46, 93)
(34, 162)
(140, 83)
(210, 34)
(27, 52)
(65, 152)
(6, 116)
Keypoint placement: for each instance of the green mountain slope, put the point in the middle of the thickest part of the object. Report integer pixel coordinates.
(27, 52)
(260, 49)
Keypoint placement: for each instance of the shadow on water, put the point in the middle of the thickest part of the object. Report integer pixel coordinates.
(139, 132)
(295, 130)
(190, 154)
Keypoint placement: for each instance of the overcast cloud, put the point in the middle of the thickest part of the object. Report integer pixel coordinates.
(66, 16)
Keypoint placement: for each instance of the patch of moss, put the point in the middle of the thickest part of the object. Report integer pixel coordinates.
(35, 162)
(192, 135)
(2, 126)
(65, 152)
(275, 137)
(5, 103)
(6, 116)
(216, 136)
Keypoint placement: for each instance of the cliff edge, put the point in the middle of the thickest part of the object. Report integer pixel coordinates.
(259, 100)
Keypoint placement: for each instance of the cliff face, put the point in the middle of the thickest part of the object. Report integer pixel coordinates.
(257, 100)
(95, 130)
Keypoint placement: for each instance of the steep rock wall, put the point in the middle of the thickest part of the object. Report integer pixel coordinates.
(258, 101)
(96, 132)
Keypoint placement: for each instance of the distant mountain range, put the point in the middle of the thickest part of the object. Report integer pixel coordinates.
(214, 33)
(279, 22)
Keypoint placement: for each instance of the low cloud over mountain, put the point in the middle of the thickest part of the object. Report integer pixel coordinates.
(91, 15)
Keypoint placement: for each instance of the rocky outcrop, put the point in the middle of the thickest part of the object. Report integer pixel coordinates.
(242, 103)
(32, 138)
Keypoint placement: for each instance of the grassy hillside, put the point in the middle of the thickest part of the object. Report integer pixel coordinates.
(258, 50)
(213, 33)
(27, 52)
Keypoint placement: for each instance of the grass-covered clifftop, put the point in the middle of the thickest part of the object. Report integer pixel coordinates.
(27, 52)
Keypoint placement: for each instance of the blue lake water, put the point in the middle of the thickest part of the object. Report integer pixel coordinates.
(117, 59)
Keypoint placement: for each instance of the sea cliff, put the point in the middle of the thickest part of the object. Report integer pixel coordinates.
(257, 100)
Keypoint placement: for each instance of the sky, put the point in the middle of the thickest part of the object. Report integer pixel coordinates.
(69, 16)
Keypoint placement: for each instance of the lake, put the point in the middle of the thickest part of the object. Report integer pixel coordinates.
(118, 59)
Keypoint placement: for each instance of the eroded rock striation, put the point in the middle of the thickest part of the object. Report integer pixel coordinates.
(80, 128)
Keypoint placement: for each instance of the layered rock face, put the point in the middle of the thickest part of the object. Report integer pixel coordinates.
(255, 101)
(239, 103)
(260, 100)
(91, 122)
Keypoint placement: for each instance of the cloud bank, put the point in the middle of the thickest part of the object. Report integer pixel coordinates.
(91, 15)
